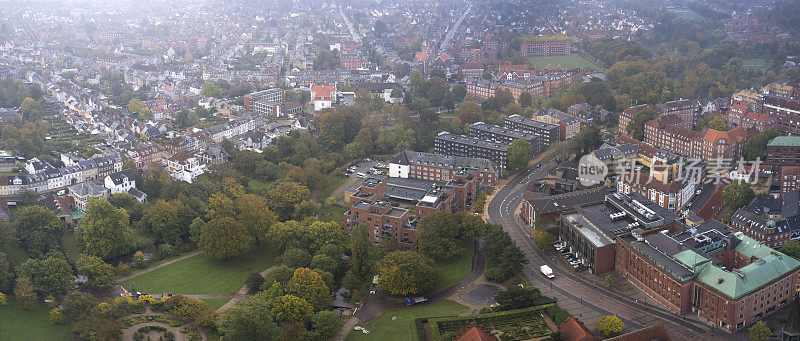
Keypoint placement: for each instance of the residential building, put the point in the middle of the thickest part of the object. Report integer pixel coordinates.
(274, 95)
(439, 167)
(772, 221)
(460, 145)
(485, 131)
(482, 89)
(183, 166)
(569, 125)
(783, 150)
(786, 111)
(547, 133)
(547, 46)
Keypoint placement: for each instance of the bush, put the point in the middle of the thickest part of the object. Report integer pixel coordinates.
(254, 282)
(139, 260)
(56, 316)
(123, 269)
(166, 251)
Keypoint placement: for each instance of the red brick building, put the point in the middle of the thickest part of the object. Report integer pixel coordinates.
(548, 46)
(783, 150)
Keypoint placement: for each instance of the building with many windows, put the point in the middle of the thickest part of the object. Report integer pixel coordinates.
(485, 131)
(547, 46)
(460, 145)
(438, 167)
(270, 95)
(546, 132)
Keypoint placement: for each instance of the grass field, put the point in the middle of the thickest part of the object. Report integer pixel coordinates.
(19, 324)
(567, 61)
(755, 64)
(215, 303)
(450, 273)
(332, 213)
(200, 275)
(70, 244)
(685, 13)
(15, 254)
(402, 328)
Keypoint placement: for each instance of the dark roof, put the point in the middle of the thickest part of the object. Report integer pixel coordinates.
(655, 332)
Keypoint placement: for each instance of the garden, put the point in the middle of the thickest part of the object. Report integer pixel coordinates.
(199, 275)
(399, 324)
(512, 325)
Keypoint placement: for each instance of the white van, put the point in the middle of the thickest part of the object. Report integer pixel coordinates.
(361, 175)
(547, 271)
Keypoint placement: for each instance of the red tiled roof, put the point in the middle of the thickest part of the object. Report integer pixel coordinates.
(475, 334)
(574, 330)
(654, 332)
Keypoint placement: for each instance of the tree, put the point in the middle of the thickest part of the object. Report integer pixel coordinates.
(360, 266)
(288, 308)
(249, 320)
(52, 275)
(406, 273)
(326, 323)
(97, 272)
(252, 211)
(211, 90)
(448, 101)
(610, 279)
(543, 239)
(324, 262)
(519, 154)
(3, 299)
(309, 286)
(38, 228)
(469, 112)
(25, 294)
(295, 258)
(609, 325)
(284, 196)
(224, 238)
(254, 282)
(737, 194)
(517, 297)
(220, 205)
(635, 127)
(790, 248)
(56, 316)
(104, 231)
(6, 277)
(417, 82)
(525, 99)
(760, 331)
(754, 147)
(459, 93)
(441, 236)
(162, 220)
(26, 197)
(136, 106)
(504, 259)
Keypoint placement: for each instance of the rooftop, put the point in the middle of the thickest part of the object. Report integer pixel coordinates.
(785, 141)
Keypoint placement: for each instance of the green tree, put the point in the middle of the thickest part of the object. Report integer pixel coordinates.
(295, 258)
(406, 273)
(136, 106)
(309, 286)
(760, 331)
(417, 82)
(288, 308)
(610, 279)
(104, 231)
(252, 211)
(516, 297)
(441, 236)
(50, 275)
(324, 262)
(519, 154)
(25, 294)
(635, 127)
(543, 239)
(97, 272)
(469, 112)
(754, 147)
(3, 300)
(249, 320)
(504, 259)
(6, 277)
(38, 228)
(211, 90)
(283, 197)
(224, 238)
(737, 194)
(55, 316)
(360, 265)
(326, 323)
(790, 248)
(525, 99)
(162, 220)
(609, 325)
(254, 282)
(459, 93)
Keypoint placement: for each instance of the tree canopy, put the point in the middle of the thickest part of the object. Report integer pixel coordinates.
(406, 273)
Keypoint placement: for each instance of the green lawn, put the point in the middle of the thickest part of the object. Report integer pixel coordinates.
(331, 184)
(70, 244)
(215, 302)
(257, 185)
(19, 324)
(199, 275)
(685, 13)
(385, 329)
(332, 213)
(756, 64)
(15, 254)
(450, 273)
(567, 61)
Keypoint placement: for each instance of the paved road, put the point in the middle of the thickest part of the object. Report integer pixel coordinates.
(453, 30)
(585, 295)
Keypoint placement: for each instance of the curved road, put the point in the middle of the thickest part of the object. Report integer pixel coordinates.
(576, 294)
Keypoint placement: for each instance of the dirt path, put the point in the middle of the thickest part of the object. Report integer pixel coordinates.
(123, 279)
(238, 296)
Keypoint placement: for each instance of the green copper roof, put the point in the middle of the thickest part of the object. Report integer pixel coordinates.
(785, 141)
(769, 265)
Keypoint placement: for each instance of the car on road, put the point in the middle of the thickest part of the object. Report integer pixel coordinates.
(547, 271)
(361, 175)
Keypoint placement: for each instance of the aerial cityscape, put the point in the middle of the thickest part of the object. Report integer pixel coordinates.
(563, 170)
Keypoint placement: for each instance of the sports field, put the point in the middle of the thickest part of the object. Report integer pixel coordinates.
(755, 64)
(567, 61)
(685, 13)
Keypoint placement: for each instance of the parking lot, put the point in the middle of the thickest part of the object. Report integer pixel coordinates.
(570, 258)
(366, 167)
